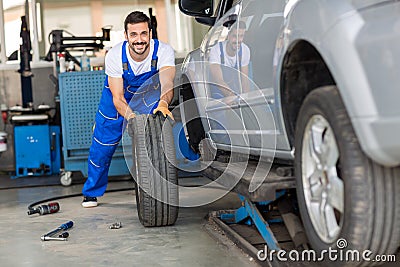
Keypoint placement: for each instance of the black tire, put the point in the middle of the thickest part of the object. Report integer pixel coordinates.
(371, 213)
(192, 123)
(154, 171)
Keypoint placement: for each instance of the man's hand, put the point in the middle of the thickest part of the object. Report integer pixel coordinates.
(163, 108)
(131, 116)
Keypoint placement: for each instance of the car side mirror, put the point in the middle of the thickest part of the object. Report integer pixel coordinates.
(197, 8)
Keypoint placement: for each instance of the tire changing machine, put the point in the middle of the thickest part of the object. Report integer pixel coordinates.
(36, 142)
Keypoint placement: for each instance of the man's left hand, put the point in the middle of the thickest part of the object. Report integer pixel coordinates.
(163, 108)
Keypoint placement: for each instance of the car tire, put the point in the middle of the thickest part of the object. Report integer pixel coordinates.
(190, 115)
(154, 170)
(365, 214)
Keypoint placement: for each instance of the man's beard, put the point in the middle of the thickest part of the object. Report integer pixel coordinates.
(146, 46)
(233, 47)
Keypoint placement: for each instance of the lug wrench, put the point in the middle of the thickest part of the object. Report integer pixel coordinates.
(61, 237)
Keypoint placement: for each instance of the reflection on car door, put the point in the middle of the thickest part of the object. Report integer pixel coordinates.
(264, 20)
(222, 107)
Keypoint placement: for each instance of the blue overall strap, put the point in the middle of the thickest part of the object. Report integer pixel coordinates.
(125, 65)
(221, 54)
(240, 57)
(154, 57)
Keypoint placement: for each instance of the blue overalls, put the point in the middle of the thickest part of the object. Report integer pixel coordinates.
(142, 92)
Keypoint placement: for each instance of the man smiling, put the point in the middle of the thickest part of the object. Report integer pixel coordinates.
(139, 80)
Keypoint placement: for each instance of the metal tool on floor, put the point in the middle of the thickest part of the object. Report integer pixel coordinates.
(62, 237)
(116, 225)
(52, 207)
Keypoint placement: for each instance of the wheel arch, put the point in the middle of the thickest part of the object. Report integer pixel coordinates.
(303, 70)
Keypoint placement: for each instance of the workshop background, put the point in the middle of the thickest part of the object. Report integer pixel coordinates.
(78, 18)
(48, 99)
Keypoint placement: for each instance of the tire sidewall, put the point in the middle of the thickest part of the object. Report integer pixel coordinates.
(135, 167)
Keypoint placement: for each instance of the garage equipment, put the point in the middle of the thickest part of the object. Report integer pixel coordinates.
(60, 43)
(52, 207)
(62, 227)
(25, 68)
(3, 142)
(36, 144)
(266, 211)
(250, 211)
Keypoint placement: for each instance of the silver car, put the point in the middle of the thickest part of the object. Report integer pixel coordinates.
(311, 84)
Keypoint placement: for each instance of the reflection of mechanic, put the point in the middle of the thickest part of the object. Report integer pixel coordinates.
(132, 77)
(229, 57)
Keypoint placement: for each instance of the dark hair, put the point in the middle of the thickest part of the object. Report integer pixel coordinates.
(136, 17)
(242, 25)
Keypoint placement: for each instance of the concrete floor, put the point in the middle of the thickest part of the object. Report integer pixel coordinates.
(92, 243)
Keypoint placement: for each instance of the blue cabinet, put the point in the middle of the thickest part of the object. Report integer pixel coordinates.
(37, 150)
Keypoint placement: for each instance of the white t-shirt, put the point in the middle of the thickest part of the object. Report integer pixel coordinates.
(215, 55)
(113, 61)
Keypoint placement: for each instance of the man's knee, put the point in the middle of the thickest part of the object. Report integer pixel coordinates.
(101, 154)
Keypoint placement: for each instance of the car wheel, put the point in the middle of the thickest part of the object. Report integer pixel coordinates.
(154, 170)
(342, 194)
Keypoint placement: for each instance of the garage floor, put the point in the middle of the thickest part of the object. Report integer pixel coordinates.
(92, 243)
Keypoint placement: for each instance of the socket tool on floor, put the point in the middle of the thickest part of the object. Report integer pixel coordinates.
(62, 237)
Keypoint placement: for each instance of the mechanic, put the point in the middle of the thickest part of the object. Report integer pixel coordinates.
(139, 71)
(227, 58)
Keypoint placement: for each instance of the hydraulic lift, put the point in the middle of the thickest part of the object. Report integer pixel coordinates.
(268, 217)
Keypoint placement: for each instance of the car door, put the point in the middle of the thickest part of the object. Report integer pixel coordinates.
(258, 105)
(222, 109)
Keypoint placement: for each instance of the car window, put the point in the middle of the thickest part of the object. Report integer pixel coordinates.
(219, 32)
(224, 6)
(263, 25)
